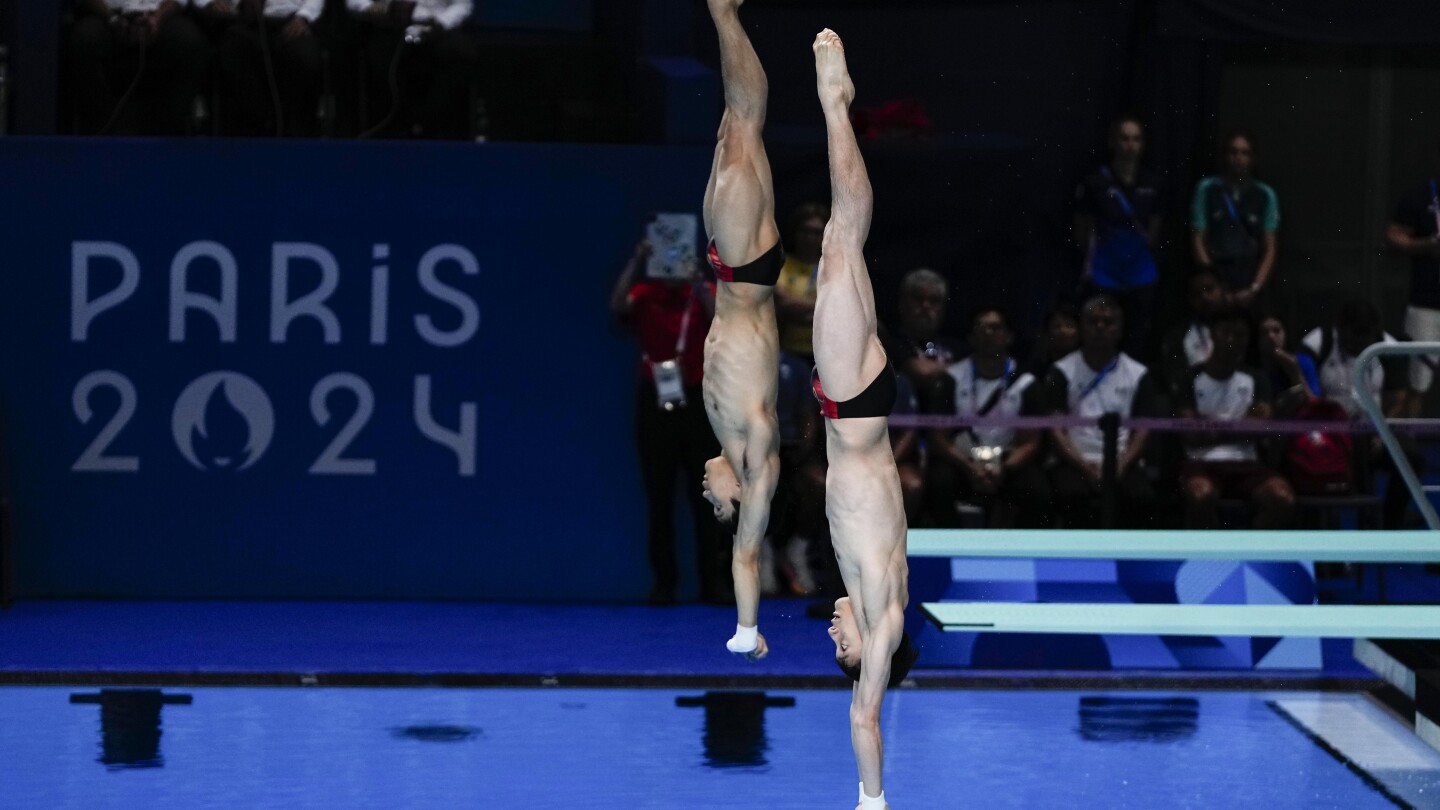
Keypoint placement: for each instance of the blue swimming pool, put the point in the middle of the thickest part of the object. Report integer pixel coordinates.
(220, 747)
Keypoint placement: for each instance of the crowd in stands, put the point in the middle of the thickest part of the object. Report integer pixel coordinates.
(1230, 357)
(298, 68)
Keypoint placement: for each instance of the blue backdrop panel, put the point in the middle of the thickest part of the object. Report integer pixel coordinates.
(218, 355)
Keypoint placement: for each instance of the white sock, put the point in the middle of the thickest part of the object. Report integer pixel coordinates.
(871, 802)
(745, 640)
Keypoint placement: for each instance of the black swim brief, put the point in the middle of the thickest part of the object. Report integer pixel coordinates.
(764, 270)
(876, 400)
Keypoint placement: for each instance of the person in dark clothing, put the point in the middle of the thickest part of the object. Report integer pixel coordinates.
(135, 67)
(275, 83)
(1060, 337)
(1117, 225)
(918, 349)
(420, 67)
(1291, 374)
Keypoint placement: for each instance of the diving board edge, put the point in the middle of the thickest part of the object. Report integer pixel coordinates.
(1253, 545)
(1261, 621)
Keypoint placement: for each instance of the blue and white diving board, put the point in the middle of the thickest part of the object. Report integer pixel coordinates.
(1315, 621)
(1288, 546)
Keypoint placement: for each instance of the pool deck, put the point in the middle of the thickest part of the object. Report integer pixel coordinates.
(482, 644)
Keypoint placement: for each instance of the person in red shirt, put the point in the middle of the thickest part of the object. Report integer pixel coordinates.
(670, 319)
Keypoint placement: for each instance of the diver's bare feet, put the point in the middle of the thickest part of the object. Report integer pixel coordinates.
(832, 77)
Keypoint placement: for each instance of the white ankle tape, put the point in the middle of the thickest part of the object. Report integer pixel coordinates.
(871, 802)
(745, 640)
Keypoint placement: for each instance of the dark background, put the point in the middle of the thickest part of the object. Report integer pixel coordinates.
(1339, 95)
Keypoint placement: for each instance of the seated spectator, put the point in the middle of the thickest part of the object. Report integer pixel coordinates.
(1234, 220)
(995, 467)
(275, 84)
(1187, 344)
(1228, 464)
(795, 291)
(1061, 337)
(792, 520)
(799, 508)
(420, 66)
(1291, 374)
(136, 67)
(905, 444)
(1334, 350)
(917, 349)
(1117, 224)
(1096, 380)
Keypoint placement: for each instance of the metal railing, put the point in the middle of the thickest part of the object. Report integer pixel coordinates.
(1383, 426)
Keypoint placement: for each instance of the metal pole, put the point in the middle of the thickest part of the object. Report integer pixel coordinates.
(1366, 399)
(1109, 468)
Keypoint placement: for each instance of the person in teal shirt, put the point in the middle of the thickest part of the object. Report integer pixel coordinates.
(1234, 219)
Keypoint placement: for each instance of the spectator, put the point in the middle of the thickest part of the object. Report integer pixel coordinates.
(1188, 344)
(1234, 219)
(1334, 351)
(1096, 380)
(797, 517)
(136, 67)
(1291, 374)
(420, 66)
(671, 318)
(995, 467)
(795, 291)
(275, 83)
(792, 519)
(1414, 231)
(1227, 464)
(918, 350)
(1117, 224)
(905, 444)
(1061, 337)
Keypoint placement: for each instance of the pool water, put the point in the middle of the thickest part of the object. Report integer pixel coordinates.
(294, 748)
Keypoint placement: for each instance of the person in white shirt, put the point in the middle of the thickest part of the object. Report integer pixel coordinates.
(1226, 464)
(1335, 350)
(275, 84)
(421, 67)
(135, 66)
(995, 467)
(1096, 380)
